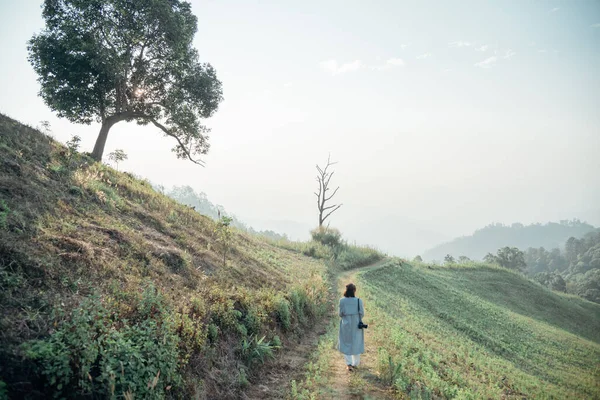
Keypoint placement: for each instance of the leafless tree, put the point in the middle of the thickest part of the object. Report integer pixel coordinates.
(324, 177)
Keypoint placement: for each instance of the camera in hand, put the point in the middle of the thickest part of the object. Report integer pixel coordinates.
(362, 326)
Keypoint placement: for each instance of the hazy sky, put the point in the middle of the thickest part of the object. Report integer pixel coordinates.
(444, 116)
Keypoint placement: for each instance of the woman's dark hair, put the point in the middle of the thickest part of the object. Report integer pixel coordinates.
(350, 290)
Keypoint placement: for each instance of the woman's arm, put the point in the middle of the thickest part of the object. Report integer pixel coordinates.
(340, 310)
(361, 308)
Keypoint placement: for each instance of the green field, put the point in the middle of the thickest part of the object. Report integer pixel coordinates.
(480, 332)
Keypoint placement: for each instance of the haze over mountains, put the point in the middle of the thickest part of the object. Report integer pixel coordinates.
(492, 237)
(400, 236)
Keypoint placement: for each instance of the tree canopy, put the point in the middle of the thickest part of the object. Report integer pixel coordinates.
(120, 60)
(507, 257)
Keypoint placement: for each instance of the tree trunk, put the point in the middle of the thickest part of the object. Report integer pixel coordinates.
(101, 141)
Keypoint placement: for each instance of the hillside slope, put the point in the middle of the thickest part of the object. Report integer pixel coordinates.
(492, 237)
(111, 288)
(479, 332)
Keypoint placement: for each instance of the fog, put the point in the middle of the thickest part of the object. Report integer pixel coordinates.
(442, 117)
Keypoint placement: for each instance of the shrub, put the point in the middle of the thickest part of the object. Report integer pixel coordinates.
(255, 350)
(91, 353)
(299, 299)
(282, 308)
(276, 342)
(252, 321)
(76, 191)
(328, 236)
(310, 251)
(213, 332)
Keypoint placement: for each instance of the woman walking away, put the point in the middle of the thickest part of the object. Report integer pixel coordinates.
(351, 341)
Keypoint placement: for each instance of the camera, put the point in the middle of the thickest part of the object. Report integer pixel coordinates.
(362, 326)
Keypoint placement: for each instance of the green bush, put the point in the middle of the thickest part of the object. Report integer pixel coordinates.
(91, 353)
(282, 308)
(255, 350)
(276, 342)
(328, 236)
(252, 321)
(213, 332)
(310, 252)
(298, 299)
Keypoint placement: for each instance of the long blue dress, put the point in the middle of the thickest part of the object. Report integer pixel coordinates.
(351, 340)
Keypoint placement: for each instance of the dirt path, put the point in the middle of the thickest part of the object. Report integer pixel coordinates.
(289, 365)
(340, 384)
(362, 383)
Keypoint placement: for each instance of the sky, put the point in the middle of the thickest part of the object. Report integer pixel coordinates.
(443, 116)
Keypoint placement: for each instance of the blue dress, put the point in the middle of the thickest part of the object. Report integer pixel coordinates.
(351, 340)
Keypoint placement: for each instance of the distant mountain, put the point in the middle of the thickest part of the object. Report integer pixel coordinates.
(495, 236)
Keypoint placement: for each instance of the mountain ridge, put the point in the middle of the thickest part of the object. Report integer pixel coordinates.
(494, 236)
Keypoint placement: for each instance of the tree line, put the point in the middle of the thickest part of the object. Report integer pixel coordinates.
(495, 236)
(574, 269)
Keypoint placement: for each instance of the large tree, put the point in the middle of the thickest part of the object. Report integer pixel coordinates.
(122, 60)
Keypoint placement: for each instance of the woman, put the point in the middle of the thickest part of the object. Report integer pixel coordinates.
(351, 340)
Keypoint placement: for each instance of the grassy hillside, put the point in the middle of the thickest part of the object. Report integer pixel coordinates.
(479, 332)
(111, 288)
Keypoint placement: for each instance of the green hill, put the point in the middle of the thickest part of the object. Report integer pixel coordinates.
(479, 332)
(110, 289)
(495, 236)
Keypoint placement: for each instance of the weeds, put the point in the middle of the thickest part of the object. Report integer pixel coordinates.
(297, 394)
(255, 350)
(388, 370)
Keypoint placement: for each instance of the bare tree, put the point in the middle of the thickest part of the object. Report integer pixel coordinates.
(324, 177)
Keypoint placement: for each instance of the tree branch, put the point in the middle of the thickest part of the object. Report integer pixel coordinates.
(331, 212)
(329, 178)
(168, 133)
(319, 195)
(327, 208)
(112, 46)
(334, 192)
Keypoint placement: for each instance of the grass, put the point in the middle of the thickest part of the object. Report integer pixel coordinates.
(464, 332)
(481, 332)
(325, 376)
(72, 230)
